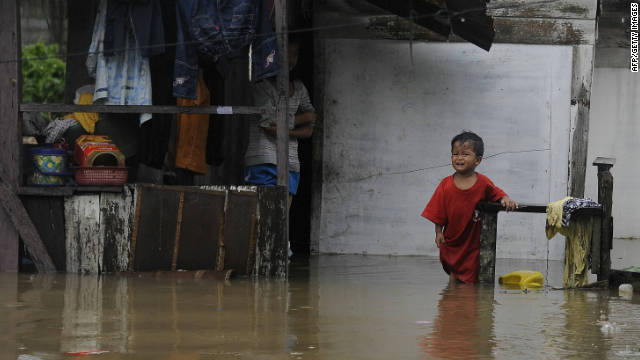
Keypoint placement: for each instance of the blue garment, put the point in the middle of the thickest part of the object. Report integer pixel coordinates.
(144, 16)
(266, 174)
(121, 79)
(220, 30)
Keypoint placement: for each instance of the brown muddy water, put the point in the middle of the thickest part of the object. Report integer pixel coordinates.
(333, 307)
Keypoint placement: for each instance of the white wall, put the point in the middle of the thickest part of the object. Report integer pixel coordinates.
(614, 131)
(388, 126)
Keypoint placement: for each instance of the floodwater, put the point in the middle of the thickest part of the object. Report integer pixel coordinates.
(333, 307)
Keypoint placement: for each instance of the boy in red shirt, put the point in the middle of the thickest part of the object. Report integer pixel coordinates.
(452, 209)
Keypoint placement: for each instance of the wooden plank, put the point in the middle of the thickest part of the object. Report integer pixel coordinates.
(200, 231)
(544, 31)
(65, 190)
(595, 244)
(487, 271)
(271, 258)
(237, 230)
(579, 112)
(136, 225)
(142, 109)
(40, 191)
(605, 196)
(156, 229)
(22, 223)
(562, 9)
(515, 30)
(117, 211)
(282, 108)
(251, 257)
(83, 241)
(47, 214)
(10, 127)
(176, 240)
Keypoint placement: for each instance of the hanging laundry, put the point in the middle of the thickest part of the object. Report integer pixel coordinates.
(191, 147)
(84, 96)
(56, 129)
(577, 244)
(121, 79)
(221, 30)
(573, 204)
(142, 18)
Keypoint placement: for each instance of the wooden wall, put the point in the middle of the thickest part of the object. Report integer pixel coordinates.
(154, 227)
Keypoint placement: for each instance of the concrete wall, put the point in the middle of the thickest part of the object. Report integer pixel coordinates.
(387, 129)
(614, 131)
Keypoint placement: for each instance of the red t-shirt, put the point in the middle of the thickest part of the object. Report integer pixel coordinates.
(455, 210)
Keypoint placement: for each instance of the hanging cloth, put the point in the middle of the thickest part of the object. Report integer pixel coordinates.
(84, 96)
(577, 244)
(193, 129)
(125, 77)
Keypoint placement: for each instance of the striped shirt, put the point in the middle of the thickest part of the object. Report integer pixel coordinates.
(262, 146)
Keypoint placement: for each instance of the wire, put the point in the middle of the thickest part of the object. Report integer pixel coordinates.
(438, 14)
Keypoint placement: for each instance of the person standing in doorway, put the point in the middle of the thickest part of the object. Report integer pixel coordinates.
(260, 158)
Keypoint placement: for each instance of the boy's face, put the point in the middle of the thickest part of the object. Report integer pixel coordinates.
(464, 158)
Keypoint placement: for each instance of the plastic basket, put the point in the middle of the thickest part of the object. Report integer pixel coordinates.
(101, 175)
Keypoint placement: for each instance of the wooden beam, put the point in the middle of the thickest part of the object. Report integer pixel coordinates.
(579, 112)
(516, 30)
(605, 197)
(282, 122)
(144, 109)
(22, 223)
(282, 108)
(561, 9)
(10, 127)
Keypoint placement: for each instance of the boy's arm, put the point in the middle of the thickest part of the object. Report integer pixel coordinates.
(508, 203)
(439, 235)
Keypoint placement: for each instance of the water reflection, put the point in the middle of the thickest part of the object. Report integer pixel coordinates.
(463, 328)
(333, 307)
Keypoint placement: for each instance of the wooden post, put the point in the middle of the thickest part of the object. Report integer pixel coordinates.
(605, 193)
(282, 109)
(10, 127)
(580, 104)
(487, 271)
(283, 94)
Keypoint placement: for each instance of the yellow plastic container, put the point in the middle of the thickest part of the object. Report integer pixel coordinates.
(522, 279)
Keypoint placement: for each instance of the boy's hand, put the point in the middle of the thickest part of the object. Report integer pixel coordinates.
(439, 239)
(508, 204)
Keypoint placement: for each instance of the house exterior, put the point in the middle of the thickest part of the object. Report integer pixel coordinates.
(392, 95)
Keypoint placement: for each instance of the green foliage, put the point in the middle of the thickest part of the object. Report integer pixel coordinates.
(42, 74)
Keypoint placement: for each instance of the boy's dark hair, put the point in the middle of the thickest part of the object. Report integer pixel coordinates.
(463, 137)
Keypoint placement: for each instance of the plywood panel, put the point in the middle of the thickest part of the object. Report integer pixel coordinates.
(241, 209)
(156, 228)
(83, 241)
(199, 233)
(116, 228)
(47, 214)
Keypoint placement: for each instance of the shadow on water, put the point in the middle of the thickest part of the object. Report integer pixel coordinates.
(332, 307)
